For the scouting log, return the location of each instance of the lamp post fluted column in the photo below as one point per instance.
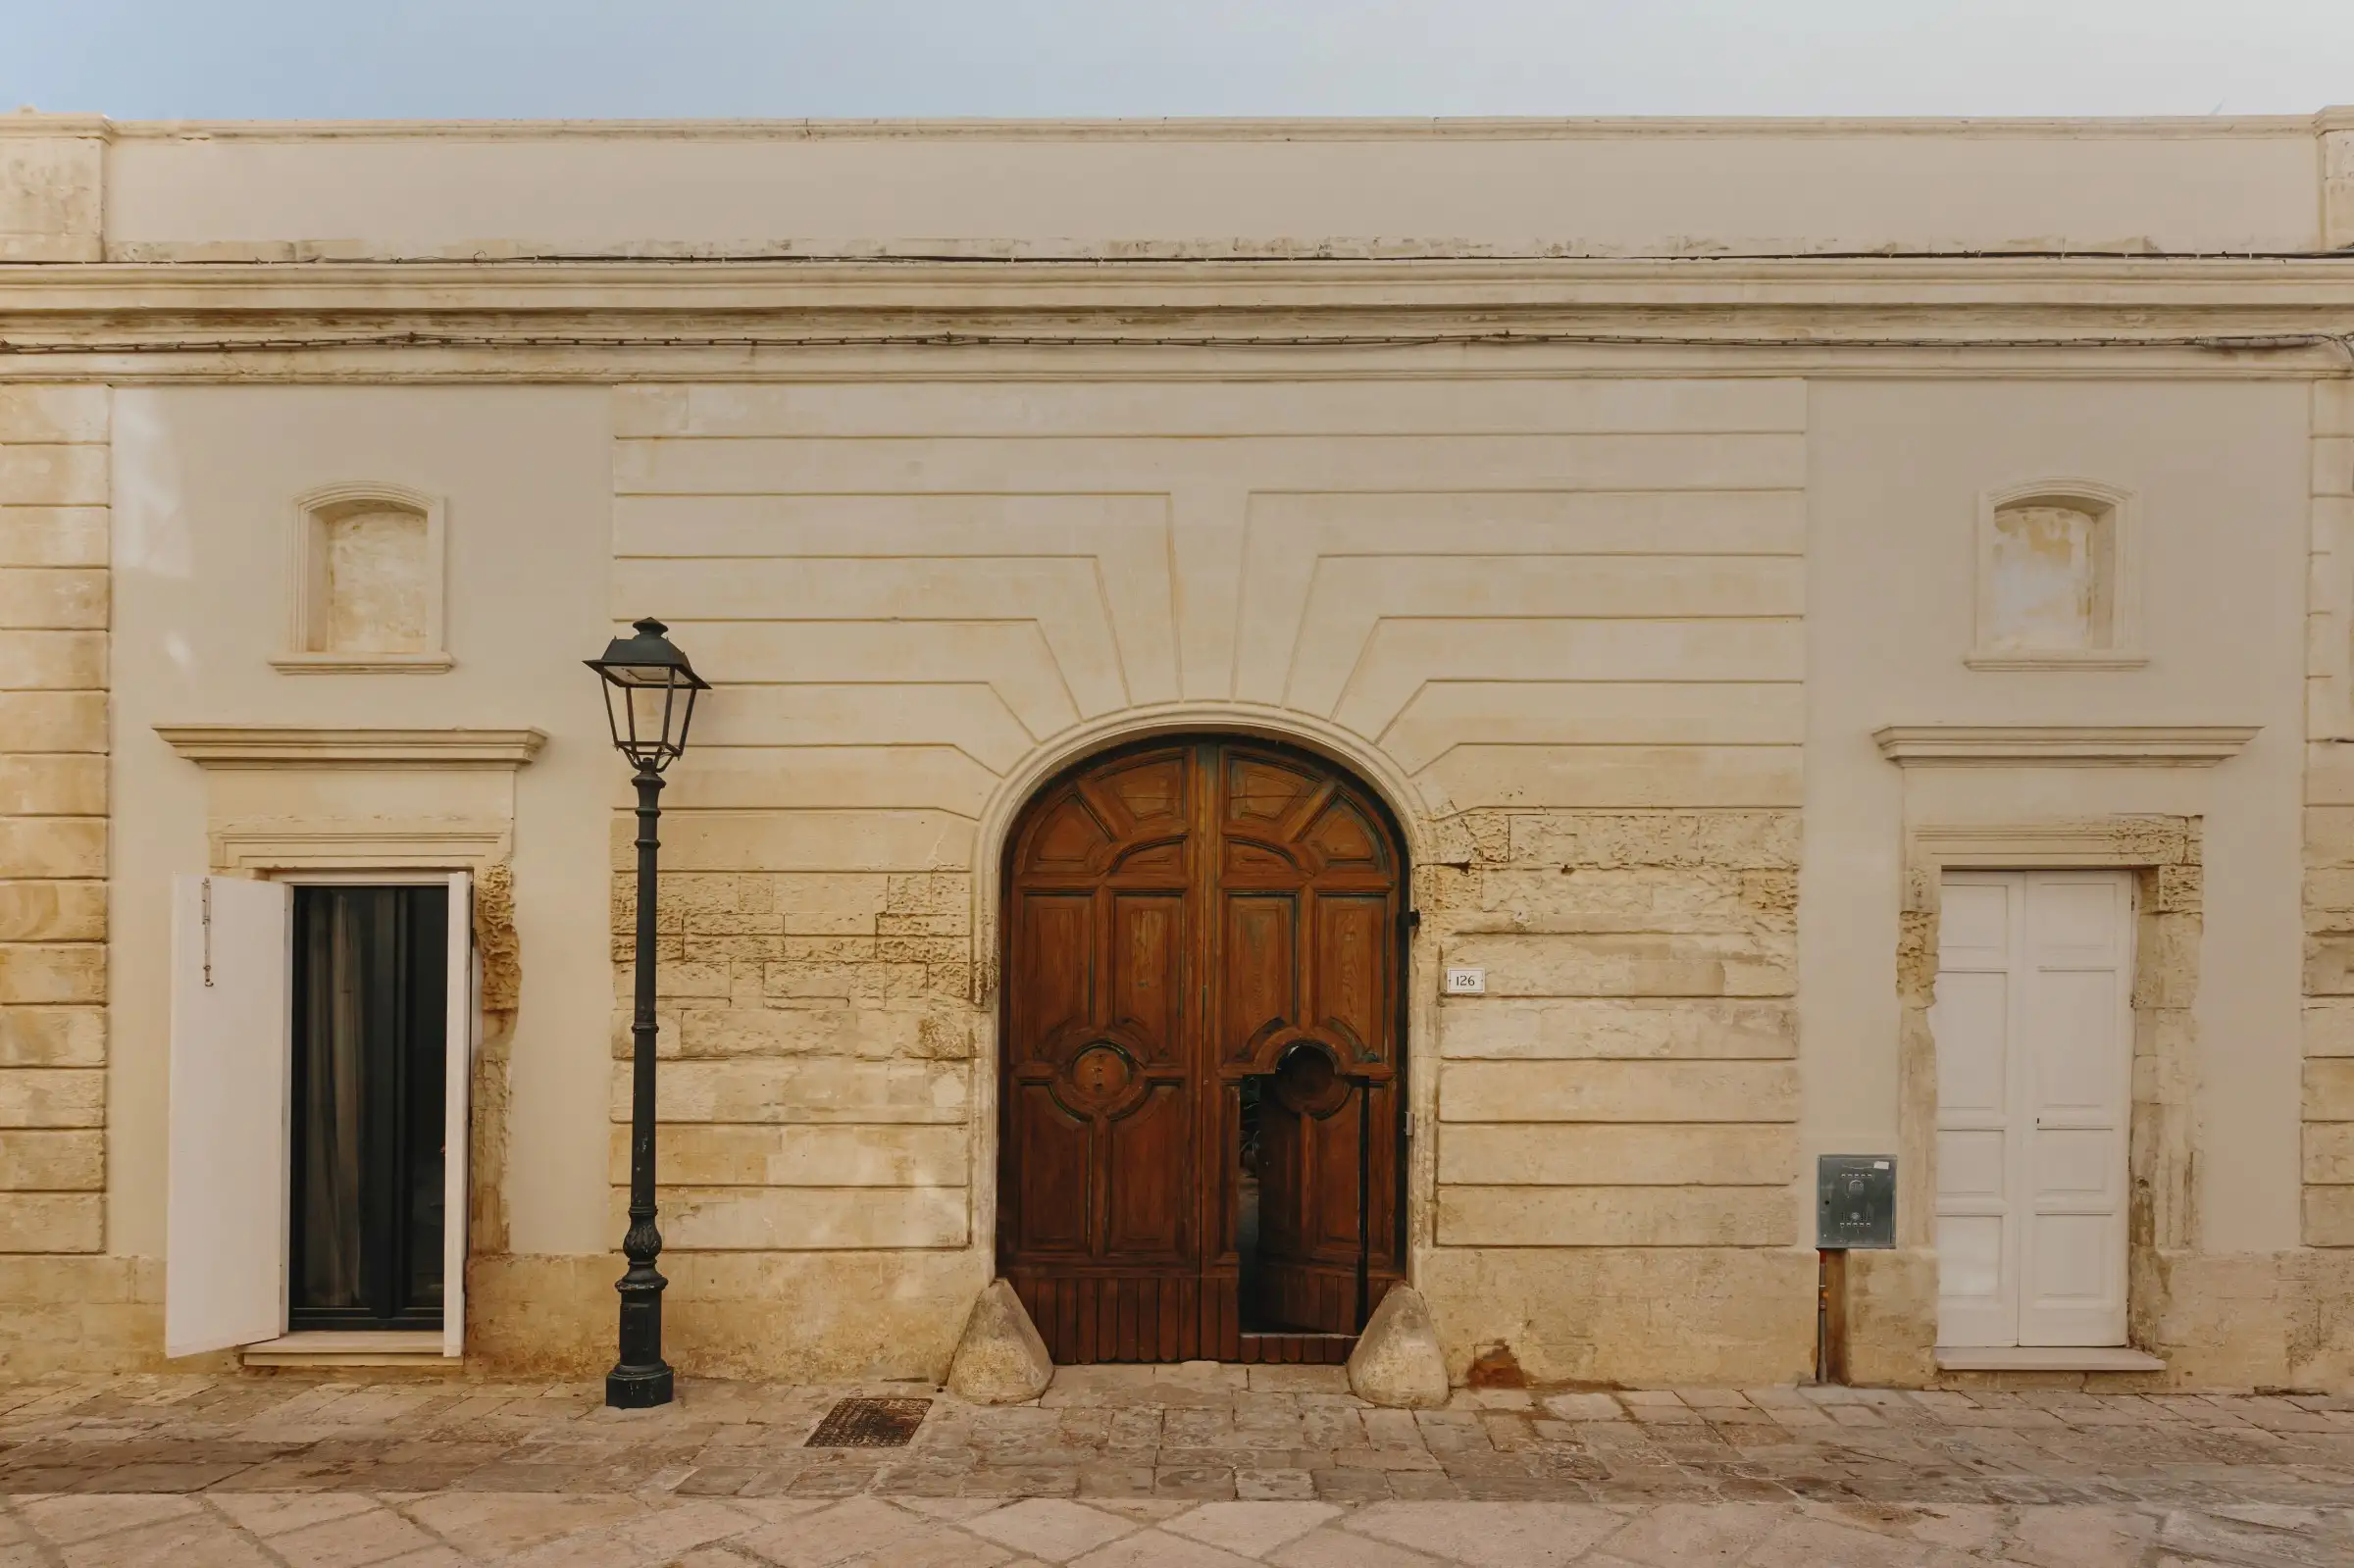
(641, 1378)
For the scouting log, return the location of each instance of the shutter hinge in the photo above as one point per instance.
(208, 931)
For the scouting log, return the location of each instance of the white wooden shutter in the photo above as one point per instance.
(1977, 1240)
(232, 1072)
(460, 1039)
(2075, 1078)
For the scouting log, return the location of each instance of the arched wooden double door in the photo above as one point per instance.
(1203, 940)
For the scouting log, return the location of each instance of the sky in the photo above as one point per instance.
(665, 59)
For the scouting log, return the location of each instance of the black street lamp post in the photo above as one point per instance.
(650, 700)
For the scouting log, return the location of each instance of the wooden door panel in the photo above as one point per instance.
(1053, 997)
(1353, 943)
(1257, 971)
(1179, 917)
(1072, 839)
(1053, 1196)
(1343, 839)
(1153, 791)
(1144, 1211)
(1147, 971)
(1262, 790)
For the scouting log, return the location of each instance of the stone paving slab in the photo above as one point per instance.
(1197, 1465)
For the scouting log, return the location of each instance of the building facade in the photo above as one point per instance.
(1296, 706)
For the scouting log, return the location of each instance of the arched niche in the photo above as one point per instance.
(2058, 580)
(366, 576)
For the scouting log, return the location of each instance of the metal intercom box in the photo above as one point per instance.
(1854, 1201)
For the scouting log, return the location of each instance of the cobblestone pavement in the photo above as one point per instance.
(1192, 1467)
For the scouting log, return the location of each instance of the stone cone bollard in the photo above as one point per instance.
(1396, 1362)
(1001, 1360)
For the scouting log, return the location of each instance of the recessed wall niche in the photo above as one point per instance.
(2058, 579)
(366, 574)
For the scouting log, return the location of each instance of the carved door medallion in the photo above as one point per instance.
(1200, 934)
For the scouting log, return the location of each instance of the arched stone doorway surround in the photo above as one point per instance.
(1411, 814)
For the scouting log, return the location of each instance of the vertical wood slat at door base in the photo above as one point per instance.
(1182, 915)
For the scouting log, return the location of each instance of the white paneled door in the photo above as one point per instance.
(2034, 1023)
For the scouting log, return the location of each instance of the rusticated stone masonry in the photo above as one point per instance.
(53, 866)
(2328, 893)
(820, 1035)
(1616, 1117)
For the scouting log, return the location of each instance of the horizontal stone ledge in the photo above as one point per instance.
(53, 911)
(1630, 965)
(70, 1036)
(52, 1160)
(1624, 1029)
(86, 1279)
(2328, 1088)
(52, 1222)
(53, 972)
(803, 1090)
(70, 721)
(1670, 1091)
(52, 660)
(1563, 1154)
(2328, 1153)
(806, 1219)
(833, 840)
(2329, 1216)
(62, 789)
(53, 414)
(52, 1097)
(1617, 1216)
(54, 535)
(879, 1156)
(53, 474)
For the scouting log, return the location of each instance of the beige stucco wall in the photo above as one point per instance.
(204, 484)
(1898, 471)
(2216, 472)
(1609, 615)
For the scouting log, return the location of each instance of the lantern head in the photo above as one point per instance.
(649, 694)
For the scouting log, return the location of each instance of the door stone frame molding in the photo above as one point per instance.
(2163, 852)
(994, 833)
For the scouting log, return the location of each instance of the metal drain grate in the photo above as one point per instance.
(869, 1424)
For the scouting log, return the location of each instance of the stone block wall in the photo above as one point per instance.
(53, 863)
(1616, 1119)
(1558, 623)
(2328, 901)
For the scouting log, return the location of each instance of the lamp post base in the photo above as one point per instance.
(638, 1388)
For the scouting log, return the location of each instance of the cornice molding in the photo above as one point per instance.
(2062, 746)
(945, 280)
(605, 320)
(233, 745)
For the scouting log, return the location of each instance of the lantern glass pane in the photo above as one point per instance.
(650, 715)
